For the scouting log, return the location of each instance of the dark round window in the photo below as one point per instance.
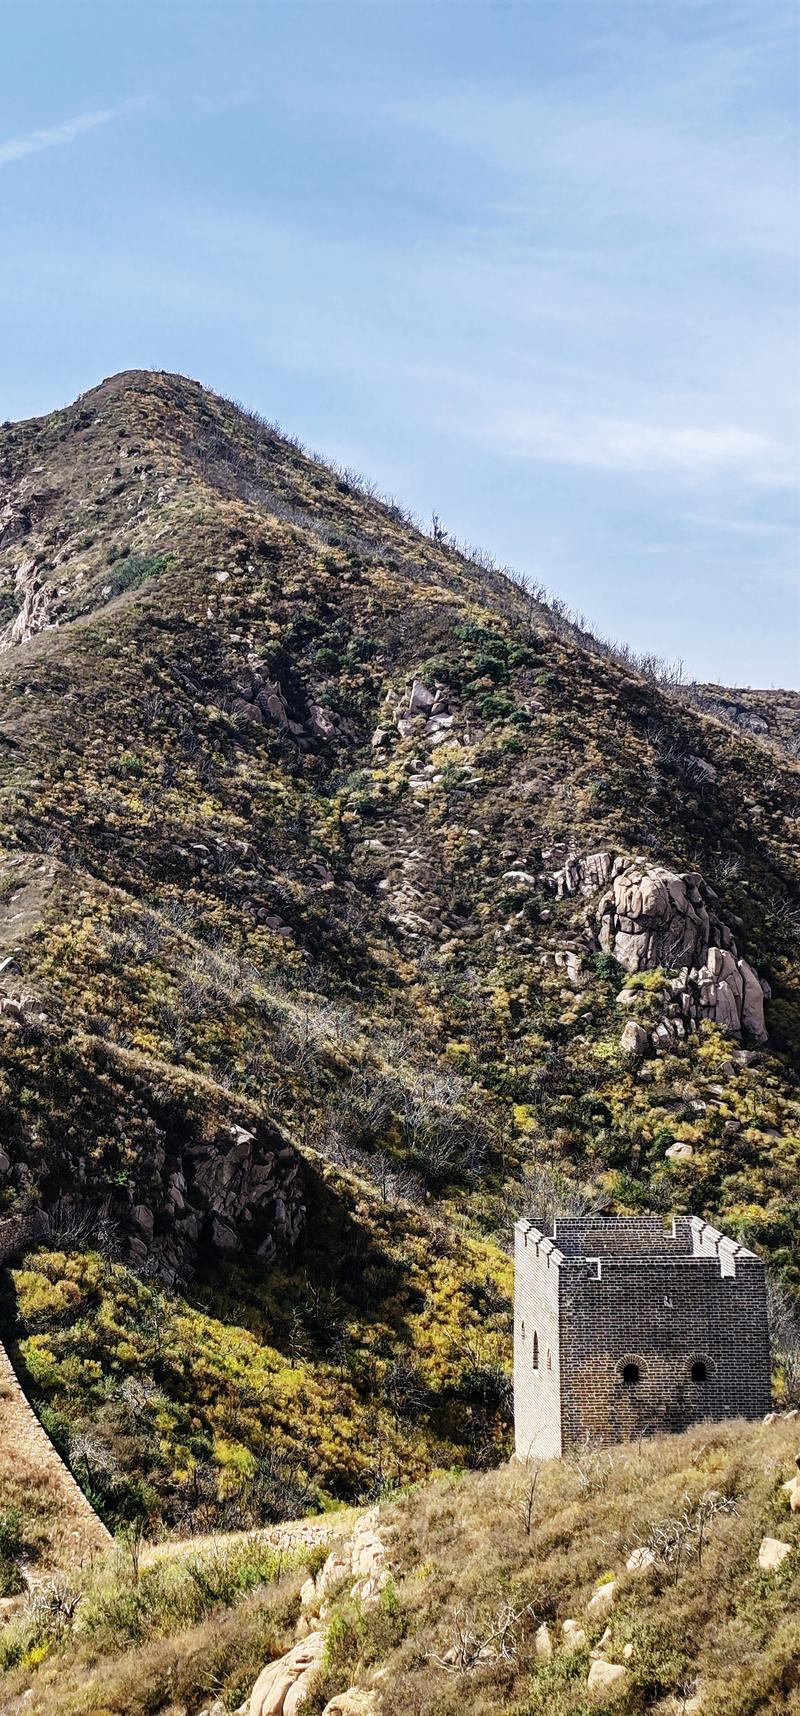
(699, 1371)
(630, 1374)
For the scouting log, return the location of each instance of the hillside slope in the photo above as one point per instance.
(351, 905)
(497, 1594)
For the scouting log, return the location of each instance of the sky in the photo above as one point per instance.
(534, 267)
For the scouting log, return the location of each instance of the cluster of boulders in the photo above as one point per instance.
(424, 712)
(231, 1192)
(650, 917)
(264, 701)
(235, 1192)
(284, 1684)
(604, 1677)
(430, 715)
(20, 1007)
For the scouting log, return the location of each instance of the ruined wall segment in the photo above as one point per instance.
(78, 1533)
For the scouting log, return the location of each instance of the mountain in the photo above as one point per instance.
(353, 903)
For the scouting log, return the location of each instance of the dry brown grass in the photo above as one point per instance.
(461, 1556)
(461, 1552)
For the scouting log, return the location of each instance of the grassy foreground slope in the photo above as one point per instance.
(241, 888)
(479, 1564)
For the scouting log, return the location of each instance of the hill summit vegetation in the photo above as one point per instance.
(354, 900)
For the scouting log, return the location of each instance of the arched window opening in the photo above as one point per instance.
(535, 1350)
(699, 1371)
(630, 1374)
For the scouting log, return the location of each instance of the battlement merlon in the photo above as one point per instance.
(617, 1241)
(527, 1234)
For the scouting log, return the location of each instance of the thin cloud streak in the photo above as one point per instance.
(56, 136)
(618, 444)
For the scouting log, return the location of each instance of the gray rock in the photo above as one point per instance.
(634, 1039)
(421, 700)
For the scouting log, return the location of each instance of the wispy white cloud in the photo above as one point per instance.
(56, 136)
(619, 444)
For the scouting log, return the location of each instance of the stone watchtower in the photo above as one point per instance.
(623, 1329)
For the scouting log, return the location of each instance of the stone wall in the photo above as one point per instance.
(77, 1532)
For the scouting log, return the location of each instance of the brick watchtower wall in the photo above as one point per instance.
(665, 1318)
(77, 1532)
(628, 1313)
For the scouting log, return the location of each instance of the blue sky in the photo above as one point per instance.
(532, 266)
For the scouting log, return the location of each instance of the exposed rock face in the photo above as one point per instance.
(229, 1192)
(651, 917)
(232, 1194)
(654, 917)
(264, 702)
(33, 613)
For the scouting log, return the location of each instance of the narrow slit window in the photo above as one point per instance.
(549, 1359)
(535, 1350)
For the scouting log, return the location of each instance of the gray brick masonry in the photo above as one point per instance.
(624, 1329)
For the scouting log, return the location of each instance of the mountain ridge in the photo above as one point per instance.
(285, 786)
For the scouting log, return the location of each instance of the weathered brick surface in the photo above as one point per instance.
(606, 1294)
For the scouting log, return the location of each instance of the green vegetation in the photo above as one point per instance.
(467, 1553)
(113, 1639)
(226, 906)
(338, 1380)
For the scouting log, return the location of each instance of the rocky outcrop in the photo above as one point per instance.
(361, 1560)
(424, 712)
(232, 1193)
(228, 1189)
(264, 702)
(34, 602)
(650, 917)
(284, 1684)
